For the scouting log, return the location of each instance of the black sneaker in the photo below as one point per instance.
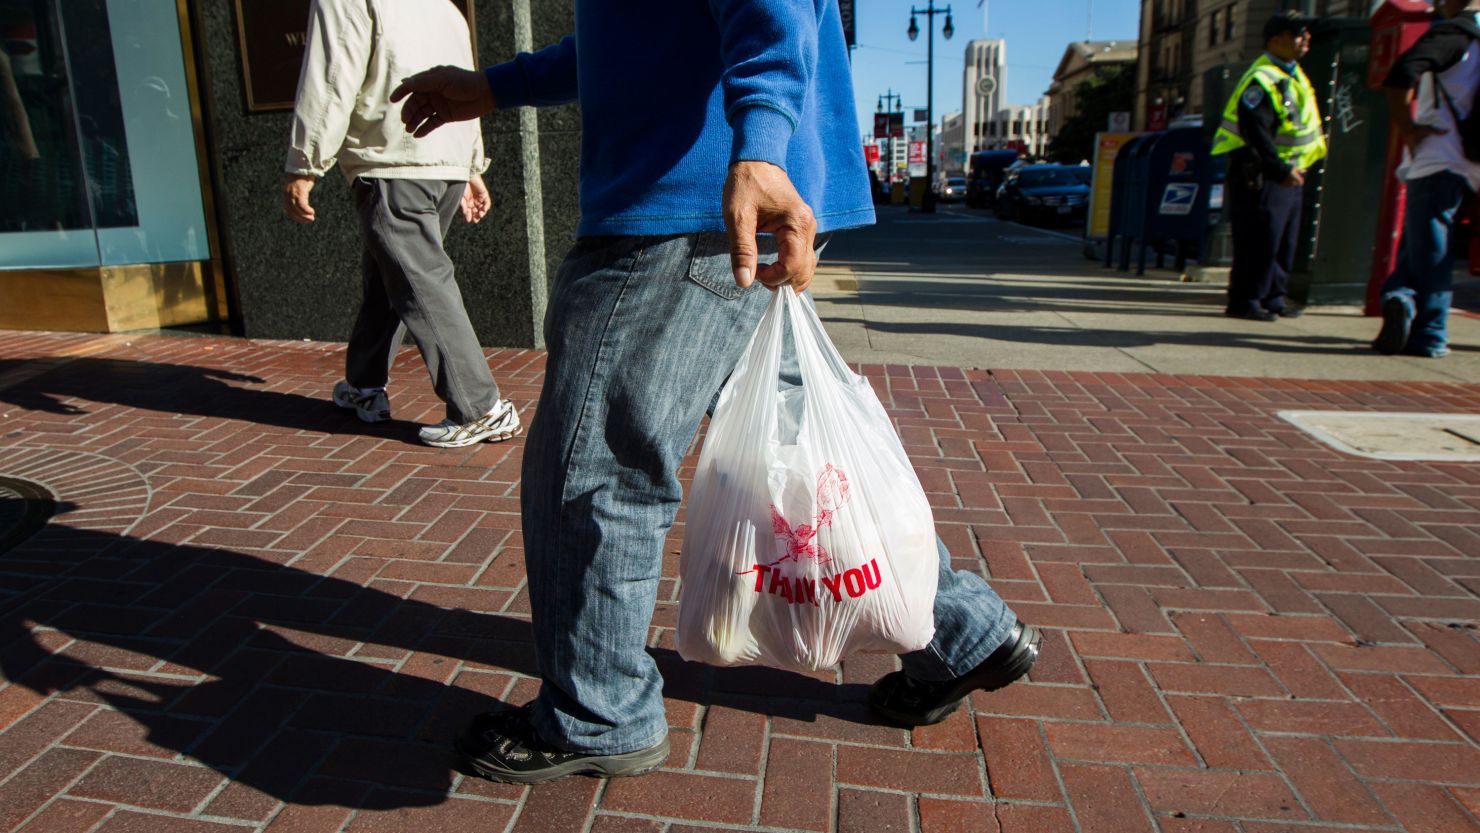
(911, 702)
(1290, 312)
(503, 746)
(1397, 322)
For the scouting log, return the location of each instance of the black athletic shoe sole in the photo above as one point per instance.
(640, 762)
(989, 676)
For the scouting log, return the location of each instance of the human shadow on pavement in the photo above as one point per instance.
(49, 385)
(310, 689)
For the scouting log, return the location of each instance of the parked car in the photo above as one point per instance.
(954, 188)
(1045, 194)
(985, 175)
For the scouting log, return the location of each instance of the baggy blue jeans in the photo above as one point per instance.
(641, 332)
(1424, 276)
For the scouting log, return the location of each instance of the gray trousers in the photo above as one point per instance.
(409, 285)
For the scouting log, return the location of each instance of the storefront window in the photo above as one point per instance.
(98, 161)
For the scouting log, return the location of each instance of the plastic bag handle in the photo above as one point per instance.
(809, 334)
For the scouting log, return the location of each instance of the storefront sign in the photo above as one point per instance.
(271, 35)
(1107, 147)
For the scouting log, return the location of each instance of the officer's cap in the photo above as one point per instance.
(1290, 21)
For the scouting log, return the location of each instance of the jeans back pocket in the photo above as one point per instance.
(710, 267)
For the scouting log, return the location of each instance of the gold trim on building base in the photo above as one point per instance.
(110, 299)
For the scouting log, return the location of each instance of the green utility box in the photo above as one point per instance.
(1342, 199)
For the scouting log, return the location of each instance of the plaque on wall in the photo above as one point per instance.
(270, 37)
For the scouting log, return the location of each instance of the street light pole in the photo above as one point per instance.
(927, 200)
(890, 100)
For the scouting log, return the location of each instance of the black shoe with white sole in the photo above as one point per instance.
(907, 701)
(503, 746)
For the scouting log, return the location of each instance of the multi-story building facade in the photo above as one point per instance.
(1021, 126)
(950, 145)
(983, 89)
(1083, 61)
(1180, 40)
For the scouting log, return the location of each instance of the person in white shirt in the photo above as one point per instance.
(1440, 73)
(407, 192)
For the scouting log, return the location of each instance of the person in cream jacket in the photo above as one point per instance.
(407, 192)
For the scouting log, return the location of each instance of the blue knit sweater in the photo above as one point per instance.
(671, 93)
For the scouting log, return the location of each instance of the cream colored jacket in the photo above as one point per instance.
(357, 51)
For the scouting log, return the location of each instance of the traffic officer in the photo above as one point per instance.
(1271, 131)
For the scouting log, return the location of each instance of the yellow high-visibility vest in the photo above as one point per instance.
(1298, 139)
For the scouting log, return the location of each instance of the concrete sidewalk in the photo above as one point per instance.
(254, 613)
(963, 289)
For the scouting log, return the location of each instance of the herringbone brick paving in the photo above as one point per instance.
(258, 614)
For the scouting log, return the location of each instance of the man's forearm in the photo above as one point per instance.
(1257, 127)
(536, 79)
(769, 51)
(1400, 107)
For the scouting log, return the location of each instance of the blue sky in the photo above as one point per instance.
(1036, 32)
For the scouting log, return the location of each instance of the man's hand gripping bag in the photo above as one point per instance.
(808, 536)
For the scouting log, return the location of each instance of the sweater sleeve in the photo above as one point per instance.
(480, 160)
(536, 79)
(1257, 122)
(335, 59)
(769, 51)
(1440, 48)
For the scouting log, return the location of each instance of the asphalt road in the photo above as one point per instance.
(961, 288)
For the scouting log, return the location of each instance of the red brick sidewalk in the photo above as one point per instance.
(259, 614)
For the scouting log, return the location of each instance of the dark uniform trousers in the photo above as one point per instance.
(1265, 223)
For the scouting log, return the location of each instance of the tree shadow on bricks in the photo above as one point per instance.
(310, 689)
(53, 385)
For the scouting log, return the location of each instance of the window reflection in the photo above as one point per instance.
(41, 183)
(98, 162)
(100, 113)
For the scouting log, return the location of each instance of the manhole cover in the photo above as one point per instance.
(1394, 436)
(24, 509)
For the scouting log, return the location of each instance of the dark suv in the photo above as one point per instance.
(985, 175)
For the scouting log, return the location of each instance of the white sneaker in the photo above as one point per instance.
(369, 405)
(497, 425)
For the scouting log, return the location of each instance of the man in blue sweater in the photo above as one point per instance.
(701, 127)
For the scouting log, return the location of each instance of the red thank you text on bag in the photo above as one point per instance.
(808, 535)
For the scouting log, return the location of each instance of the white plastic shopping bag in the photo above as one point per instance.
(808, 536)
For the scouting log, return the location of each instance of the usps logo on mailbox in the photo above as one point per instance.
(1178, 198)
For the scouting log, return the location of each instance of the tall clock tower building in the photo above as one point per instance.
(983, 90)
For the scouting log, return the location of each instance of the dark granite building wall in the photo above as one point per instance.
(296, 281)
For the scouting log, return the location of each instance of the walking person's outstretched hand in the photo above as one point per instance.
(759, 197)
(440, 95)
